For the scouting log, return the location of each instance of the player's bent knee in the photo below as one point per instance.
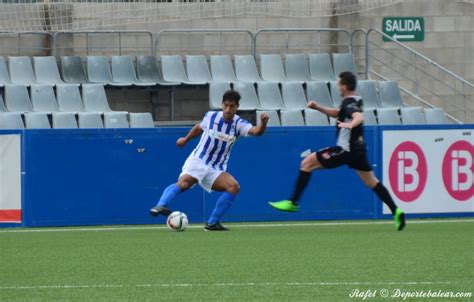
(233, 188)
(185, 184)
(309, 163)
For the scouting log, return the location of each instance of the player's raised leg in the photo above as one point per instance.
(308, 164)
(227, 183)
(369, 179)
(185, 182)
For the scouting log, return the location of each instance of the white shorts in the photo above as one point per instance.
(205, 174)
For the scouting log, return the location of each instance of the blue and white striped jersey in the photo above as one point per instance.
(218, 138)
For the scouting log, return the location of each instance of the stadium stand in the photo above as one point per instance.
(315, 118)
(249, 99)
(148, 71)
(320, 67)
(292, 118)
(37, 120)
(46, 70)
(64, 120)
(221, 69)
(388, 116)
(21, 71)
(198, 69)
(301, 79)
(246, 68)
(274, 118)
(73, 70)
(296, 68)
(90, 120)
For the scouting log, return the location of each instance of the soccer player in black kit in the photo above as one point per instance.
(350, 150)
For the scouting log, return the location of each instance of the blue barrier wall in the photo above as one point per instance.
(94, 177)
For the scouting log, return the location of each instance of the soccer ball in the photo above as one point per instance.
(177, 221)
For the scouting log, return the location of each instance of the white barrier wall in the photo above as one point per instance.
(10, 178)
(430, 171)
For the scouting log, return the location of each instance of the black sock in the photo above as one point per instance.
(384, 195)
(303, 179)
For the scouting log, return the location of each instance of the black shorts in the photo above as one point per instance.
(333, 157)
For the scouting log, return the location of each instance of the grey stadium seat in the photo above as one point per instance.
(246, 69)
(292, 118)
(270, 96)
(198, 69)
(221, 69)
(216, 91)
(17, 98)
(412, 116)
(320, 67)
(46, 70)
(173, 70)
(90, 120)
(368, 91)
(9, 120)
(296, 68)
(64, 120)
(123, 71)
(319, 92)
(4, 76)
(98, 71)
(73, 70)
(2, 104)
(115, 120)
(148, 71)
(69, 98)
(36, 120)
(390, 94)
(94, 98)
(293, 95)
(332, 121)
(249, 100)
(388, 116)
(141, 120)
(271, 68)
(435, 116)
(369, 118)
(43, 99)
(21, 71)
(343, 62)
(274, 120)
(335, 94)
(315, 118)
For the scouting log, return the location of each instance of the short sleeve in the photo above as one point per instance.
(243, 127)
(353, 106)
(205, 121)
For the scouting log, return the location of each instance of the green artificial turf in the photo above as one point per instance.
(275, 262)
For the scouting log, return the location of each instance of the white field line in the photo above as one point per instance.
(248, 284)
(247, 225)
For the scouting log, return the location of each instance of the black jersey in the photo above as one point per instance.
(350, 139)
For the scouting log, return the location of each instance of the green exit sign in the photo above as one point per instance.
(404, 29)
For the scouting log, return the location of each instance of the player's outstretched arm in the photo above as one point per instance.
(194, 132)
(332, 112)
(260, 129)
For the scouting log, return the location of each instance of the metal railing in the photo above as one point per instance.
(219, 46)
(332, 43)
(359, 48)
(39, 46)
(109, 41)
(424, 81)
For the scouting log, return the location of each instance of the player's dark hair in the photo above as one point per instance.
(231, 95)
(349, 80)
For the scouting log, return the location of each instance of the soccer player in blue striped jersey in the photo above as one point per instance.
(207, 163)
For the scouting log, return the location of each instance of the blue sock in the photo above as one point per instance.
(222, 205)
(168, 195)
